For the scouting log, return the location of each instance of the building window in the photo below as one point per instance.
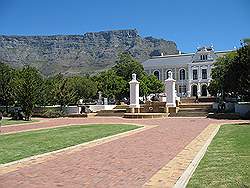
(182, 90)
(182, 74)
(195, 74)
(204, 73)
(203, 57)
(157, 74)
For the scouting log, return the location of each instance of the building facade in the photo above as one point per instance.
(192, 72)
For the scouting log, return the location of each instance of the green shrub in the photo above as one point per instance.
(52, 114)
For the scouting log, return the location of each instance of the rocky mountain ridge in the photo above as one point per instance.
(79, 54)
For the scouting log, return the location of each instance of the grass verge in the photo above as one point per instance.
(21, 145)
(4, 122)
(227, 160)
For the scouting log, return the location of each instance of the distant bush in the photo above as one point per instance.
(51, 114)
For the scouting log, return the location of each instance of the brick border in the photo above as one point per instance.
(15, 165)
(172, 171)
(185, 177)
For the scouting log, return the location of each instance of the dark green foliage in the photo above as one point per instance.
(6, 91)
(126, 66)
(231, 75)
(62, 91)
(85, 88)
(114, 83)
(51, 113)
(150, 84)
(111, 85)
(27, 89)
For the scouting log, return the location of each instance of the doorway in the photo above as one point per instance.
(204, 90)
(194, 90)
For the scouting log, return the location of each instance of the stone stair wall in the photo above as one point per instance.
(193, 110)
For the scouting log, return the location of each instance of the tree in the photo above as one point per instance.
(231, 74)
(155, 85)
(6, 78)
(111, 85)
(84, 87)
(126, 66)
(62, 92)
(150, 84)
(27, 89)
(218, 84)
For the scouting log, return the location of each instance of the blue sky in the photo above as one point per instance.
(190, 23)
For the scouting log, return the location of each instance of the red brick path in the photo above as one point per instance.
(126, 162)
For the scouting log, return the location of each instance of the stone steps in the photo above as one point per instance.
(201, 99)
(114, 112)
(190, 114)
(196, 105)
(193, 110)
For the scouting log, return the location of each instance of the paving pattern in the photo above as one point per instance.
(126, 162)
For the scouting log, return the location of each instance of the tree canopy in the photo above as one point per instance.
(231, 74)
(28, 88)
(6, 79)
(126, 66)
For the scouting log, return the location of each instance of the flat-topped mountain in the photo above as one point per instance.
(79, 54)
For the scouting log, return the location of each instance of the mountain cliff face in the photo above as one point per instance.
(79, 54)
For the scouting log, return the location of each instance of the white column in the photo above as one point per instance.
(170, 90)
(199, 73)
(199, 89)
(189, 89)
(134, 92)
(175, 74)
(209, 72)
(189, 73)
(162, 74)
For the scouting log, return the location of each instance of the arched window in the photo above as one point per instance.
(157, 74)
(182, 74)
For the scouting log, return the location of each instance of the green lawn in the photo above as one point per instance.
(21, 145)
(227, 161)
(12, 122)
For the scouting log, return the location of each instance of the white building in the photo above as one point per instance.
(192, 72)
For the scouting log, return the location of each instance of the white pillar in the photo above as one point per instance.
(134, 92)
(199, 89)
(189, 89)
(170, 90)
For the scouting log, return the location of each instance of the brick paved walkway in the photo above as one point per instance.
(127, 162)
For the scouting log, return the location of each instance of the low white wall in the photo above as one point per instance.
(242, 108)
(71, 110)
(96, 108)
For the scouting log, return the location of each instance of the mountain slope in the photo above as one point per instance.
(79, 54)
